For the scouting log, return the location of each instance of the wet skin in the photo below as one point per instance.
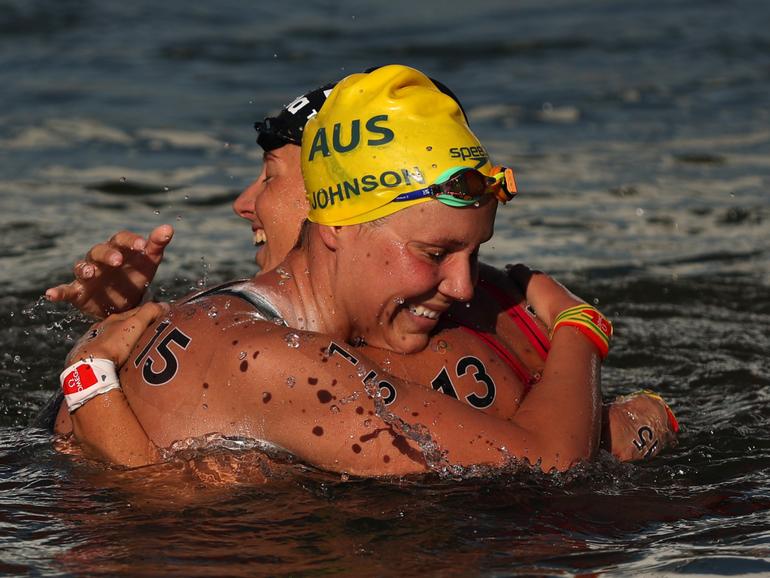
(278, 191)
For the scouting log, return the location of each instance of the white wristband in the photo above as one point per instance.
(86, 379)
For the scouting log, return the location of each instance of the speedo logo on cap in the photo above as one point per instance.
(476, 153)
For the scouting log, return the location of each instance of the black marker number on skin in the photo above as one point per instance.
(646, 436)
(163, 349)
(443, 383)
(481, 376)
(334, 348)
(158, 330)
(388, 396)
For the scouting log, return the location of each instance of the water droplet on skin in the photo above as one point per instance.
(283, 273)
(361, 371)
(349, 399)
(291, 381)
(344, 477)
(242, 355)
(205, 406)
(212, 312)
(441, 346)
(398, 300)
(292, 340)
(367, 423)
(334, 409)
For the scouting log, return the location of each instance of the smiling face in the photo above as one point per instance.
(395, 278)
(275, 204)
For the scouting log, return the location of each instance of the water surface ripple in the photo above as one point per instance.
(641, 137)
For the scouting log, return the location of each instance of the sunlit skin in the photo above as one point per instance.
(428, 267)
(239, 376)
(275, 206)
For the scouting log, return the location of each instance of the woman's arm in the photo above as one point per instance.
(635, 426)
(105, 424)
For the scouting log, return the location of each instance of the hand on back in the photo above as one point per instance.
(114, 338)
(114, 275)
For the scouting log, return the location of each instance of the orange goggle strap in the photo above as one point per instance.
(672, 421)
(587, 319)
(504, 185)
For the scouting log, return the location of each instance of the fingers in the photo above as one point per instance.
(104, 254)
(112, 253)
(84, 270)
(68, 292)
(157, 241)
(146, 313)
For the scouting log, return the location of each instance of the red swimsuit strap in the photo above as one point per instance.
(521, 318)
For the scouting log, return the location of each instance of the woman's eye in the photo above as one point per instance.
(436, 256)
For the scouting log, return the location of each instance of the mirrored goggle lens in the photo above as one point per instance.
(471, 184)
(467, 185)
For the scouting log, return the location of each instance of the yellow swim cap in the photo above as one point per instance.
(379, 135)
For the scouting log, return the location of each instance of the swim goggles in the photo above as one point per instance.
(466, 186)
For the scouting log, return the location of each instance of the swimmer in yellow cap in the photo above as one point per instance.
(354, 195)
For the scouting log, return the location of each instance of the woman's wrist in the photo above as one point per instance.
(589, 322)
(85, 379)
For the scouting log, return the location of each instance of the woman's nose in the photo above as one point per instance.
(243, 205)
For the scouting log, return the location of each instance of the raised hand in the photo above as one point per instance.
(114, 275)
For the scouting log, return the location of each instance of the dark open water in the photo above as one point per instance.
(641, 133)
